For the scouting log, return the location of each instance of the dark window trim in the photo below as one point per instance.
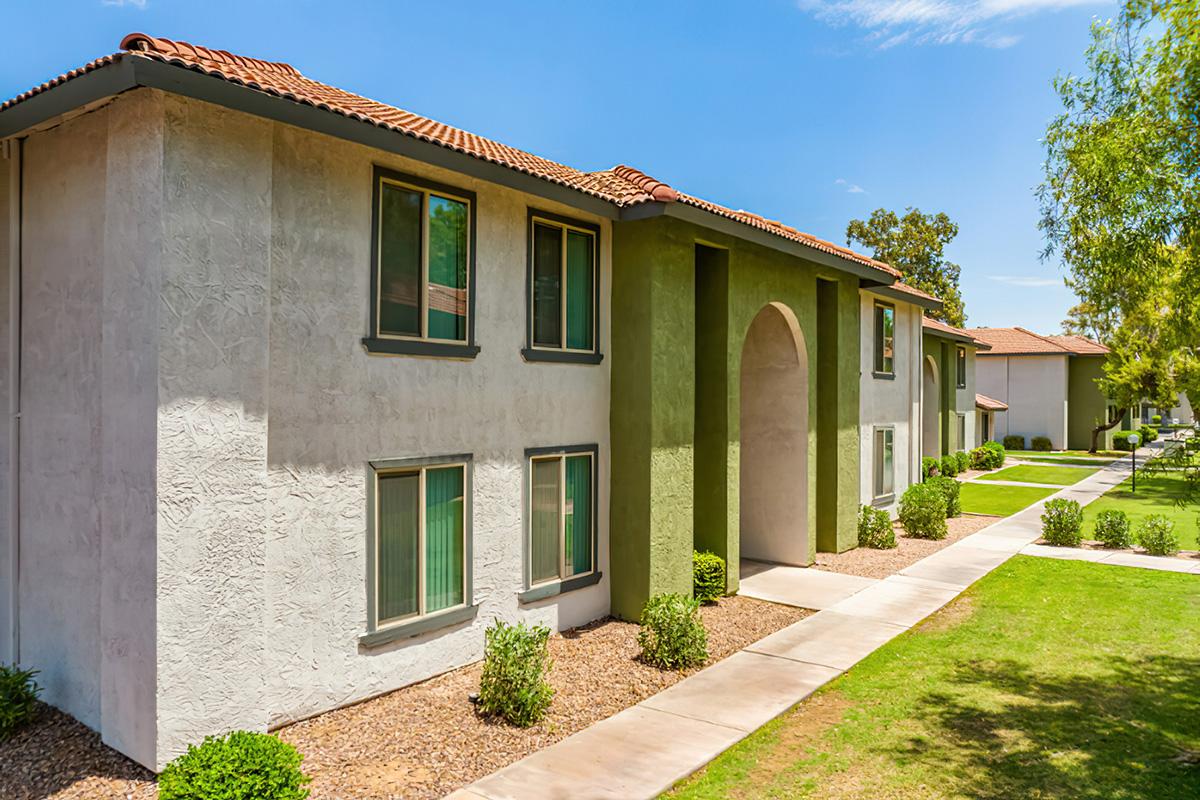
(960, 367)
(541, 591)
(891, 495)
(883, 500)
(877, 360)
(560, 355)
(415, 626)
(388, 345)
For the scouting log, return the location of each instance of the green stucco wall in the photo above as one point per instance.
(1086, 404)
(675, 399)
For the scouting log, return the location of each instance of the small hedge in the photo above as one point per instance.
(1156, 419)
(1157, 535)
(1040, 443)
(875, 529)
(513, 684)
(950, 490)
(923, 511)
(1062, 523)
(1112, 529)
(948, 466)
(1121, 440)
(1148, 434)
(964, 461)
(989, 456)
(239, 766)
(1014, 442)
(18, 698)
(708, 576)
(929, 467)
(672, 635)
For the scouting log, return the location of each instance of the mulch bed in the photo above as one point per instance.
(882, 563)
(421, 741)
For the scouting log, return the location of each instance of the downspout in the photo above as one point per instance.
(15, 148)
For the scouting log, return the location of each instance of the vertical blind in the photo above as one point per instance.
(544, 519)
(580, 280)
(400, 261)
(578, 515)
(443, 538)
(447, 269)
(399, 504)
(564, 278)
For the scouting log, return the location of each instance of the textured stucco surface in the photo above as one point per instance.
(1087, 406)
(8, 565)
(950, 399)
(894, 403)
(1035, 389)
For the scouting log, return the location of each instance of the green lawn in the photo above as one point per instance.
(1065, 453)
(1076, 461)
(1030, 473)
(1046, 679)
(1156, 494)
(979, 498)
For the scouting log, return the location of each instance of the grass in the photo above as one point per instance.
(1030, 473)
(1059, 454)
(1046, 679)
(1067, 460)
(979, 498)
(1157, 493)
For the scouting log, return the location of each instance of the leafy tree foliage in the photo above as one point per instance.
(915, 244)
(1085, 320)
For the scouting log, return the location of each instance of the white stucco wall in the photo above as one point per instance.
(964, 403)
(8, 562)
(895, 403)
(1035, 389)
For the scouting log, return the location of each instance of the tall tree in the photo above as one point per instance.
(1084, 320)
(915, 244)
(1121, 195)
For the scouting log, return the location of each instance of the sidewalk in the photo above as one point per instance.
(642, 751)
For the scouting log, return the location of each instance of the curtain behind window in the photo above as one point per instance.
(544, 522)
(444, 510)
(580, 282)
(397, 545)
(578, 515)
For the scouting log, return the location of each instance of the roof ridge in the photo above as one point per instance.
(652, 187)
(141, 42)
(1043, 338)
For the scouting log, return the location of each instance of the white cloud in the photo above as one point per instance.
(851, 188)
(889, 23)
(138, 4)
(1025, 280)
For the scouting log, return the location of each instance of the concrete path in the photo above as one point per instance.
(642, 751)
(803, 587)
(1117, 558)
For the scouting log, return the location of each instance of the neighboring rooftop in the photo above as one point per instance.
(1018, 341)
(623, 186)
(990, 403)
(939, 328)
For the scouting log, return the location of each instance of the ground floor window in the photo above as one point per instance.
(420, 542)
(885, 462)
(962, 432)
(562, 514)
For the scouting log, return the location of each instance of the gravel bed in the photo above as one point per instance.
(882, 563)
(1090, 544)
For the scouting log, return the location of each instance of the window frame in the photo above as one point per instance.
(878, 497)
(879, 359)
(376, 341)
(562, 584)
(563, 354)
(383, 631)
(961, 431)
(960, 367)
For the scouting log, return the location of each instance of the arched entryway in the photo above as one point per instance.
(773, 473)
(930, 405)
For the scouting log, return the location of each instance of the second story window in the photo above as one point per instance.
(422, 267)
(961, 371)
(885, 339)
(563, 289)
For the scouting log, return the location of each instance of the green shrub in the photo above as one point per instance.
(1148, 434)
(948, 466)
(923, 511)
(1062, 523)
(1014, 442)
(964, 461)
(1121, 440)
(988, 456)
(1157, 535)
(515, 663)
(875, 529)
(929, 467)
(1112, 529)
(708, 576)
(950, 489)
(1156, 419)
(672, 635)
(238, 766)
(1040, 443)
(18, 698)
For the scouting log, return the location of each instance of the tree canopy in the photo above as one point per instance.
(915, 244)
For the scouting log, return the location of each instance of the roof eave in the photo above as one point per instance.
(890, 292)
(957, 337)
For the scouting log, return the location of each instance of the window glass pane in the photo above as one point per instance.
(443, 538)
(579, 290)
(547, 286)
(447, 269)
(578, 515)
(962, 367)
(399, 261)
(889, 465)
(397, 546)
(889, 339)
(544, 523)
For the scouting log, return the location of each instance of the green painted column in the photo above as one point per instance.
(1087, 406)
(948, 367)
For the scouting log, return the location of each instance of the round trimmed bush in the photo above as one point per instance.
(18, 698)
(1148, 434)
(671, 635)
(923, 511)
(1121, 440)
(964, 460)
(1157, 535)
(515, 662)
(950, 489)
(238, 766)
(929, 467)
(1062, 523)
(708, 576)
(1014, 442)
(1112, 529)
(875, 529)
(1040, 443)
(948, 466)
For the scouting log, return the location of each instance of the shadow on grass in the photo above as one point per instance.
(1130, 729)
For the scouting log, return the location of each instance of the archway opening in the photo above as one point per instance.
(773, 463)
(930, 406)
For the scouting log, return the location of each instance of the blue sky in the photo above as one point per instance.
(810, 111)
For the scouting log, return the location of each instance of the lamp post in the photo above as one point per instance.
(1133, 443)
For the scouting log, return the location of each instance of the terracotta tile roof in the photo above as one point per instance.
(1017, 341)
(906, 289)
(937, 326)
(990, 403)
(1080, 345)
(622, 185)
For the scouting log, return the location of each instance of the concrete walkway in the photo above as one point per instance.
(642, 751)
(803, 587)
(1116, 558)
